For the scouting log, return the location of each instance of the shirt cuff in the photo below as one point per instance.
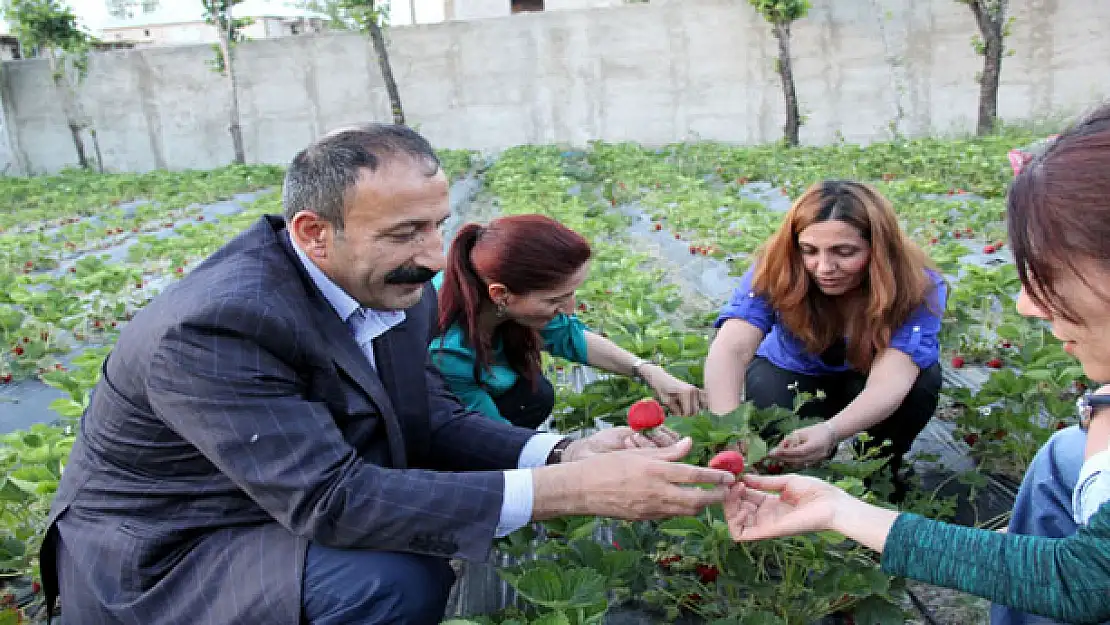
(537, 449)
(516, 507)
(1093, 488)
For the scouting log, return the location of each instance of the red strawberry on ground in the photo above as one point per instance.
(658, 227)
(728, 460)
(1061, 425)
(645, 415)
(958, 362)
(989, 249)
(18, 350)
(36, 587)
(995, 363)
(6, 378)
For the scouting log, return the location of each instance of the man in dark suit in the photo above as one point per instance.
(269, 443)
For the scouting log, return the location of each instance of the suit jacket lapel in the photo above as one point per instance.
(405, 375)
(349, 357)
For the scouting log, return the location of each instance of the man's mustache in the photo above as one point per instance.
(413, 274)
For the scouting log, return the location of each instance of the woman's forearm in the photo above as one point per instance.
(864, 523)
(729, 356)
(890, 380)
(601, 353)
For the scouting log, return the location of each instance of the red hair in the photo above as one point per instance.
(526, 253)
(896, 282)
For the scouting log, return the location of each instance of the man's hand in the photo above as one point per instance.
(680, 398)
(616, 439)
(631, 484)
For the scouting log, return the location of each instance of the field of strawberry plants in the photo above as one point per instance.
(670, 226)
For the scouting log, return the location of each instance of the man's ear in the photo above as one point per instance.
(311, 233)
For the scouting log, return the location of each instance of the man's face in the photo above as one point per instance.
(391, 244)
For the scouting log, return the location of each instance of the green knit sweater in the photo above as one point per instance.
(1066, 579)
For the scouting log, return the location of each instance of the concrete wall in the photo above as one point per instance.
(648, 73)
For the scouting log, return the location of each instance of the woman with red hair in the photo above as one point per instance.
(507, 294)
(840, 301)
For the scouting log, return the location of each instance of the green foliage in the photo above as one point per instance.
(46, 24)
(782, 11)
(219, 14)
(363, 12)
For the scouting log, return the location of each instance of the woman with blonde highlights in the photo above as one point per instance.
(839, 300)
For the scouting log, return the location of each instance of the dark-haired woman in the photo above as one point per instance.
(1058, 213)
(507, 294)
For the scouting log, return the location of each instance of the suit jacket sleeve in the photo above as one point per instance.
(466, 440)
(223, 380)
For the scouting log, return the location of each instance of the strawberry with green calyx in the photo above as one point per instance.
(645, 415)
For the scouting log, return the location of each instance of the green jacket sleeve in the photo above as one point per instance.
(458, 374)
(565, 337)
(1066, 579)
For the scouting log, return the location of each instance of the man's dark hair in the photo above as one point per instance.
(320, 175)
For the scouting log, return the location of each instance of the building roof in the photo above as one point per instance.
(181, 12)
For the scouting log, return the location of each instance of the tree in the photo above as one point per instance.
(368, 16)
(50, 29)
(229, 31)
(781, 14)
(994, 27)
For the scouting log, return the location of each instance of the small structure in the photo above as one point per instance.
(183, 23)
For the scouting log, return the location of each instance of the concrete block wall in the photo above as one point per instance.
(655, 73)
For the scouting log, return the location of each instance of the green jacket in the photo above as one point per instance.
(1066, 579)
(565, 337)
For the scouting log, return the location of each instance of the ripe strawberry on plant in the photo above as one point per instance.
(728, 460)
(958, 362)
(995, 363)
(645, 415)
(707, 573)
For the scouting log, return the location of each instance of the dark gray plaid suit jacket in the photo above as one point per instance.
(236, 421)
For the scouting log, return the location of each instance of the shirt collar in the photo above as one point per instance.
(343, 304)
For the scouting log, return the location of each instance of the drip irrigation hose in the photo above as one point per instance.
(922, 608)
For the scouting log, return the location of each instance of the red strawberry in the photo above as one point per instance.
(582, 307)
(18, 351)
(995, 363)
(971, 439)
(707, 572)
(36, 587)
(73, 270)
(6, 379)
(616, 545)
(30, 263)
(774, 467)
(969, 231)
(956, 234)
(999, 435)
(958, 362)
(645, 415)
(728, 460)
(658, 227)
(1006, 345)
(693, 249)
(26, 339)
(669, 560)
(677, 236)
(933, 241)
(989, 249)
(1061, 425)
(180, 270)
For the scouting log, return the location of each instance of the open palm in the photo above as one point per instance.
(762, 507)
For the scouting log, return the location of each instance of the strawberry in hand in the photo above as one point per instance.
(645, 415)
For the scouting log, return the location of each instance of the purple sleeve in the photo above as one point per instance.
(745, 304)
(917, 338)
